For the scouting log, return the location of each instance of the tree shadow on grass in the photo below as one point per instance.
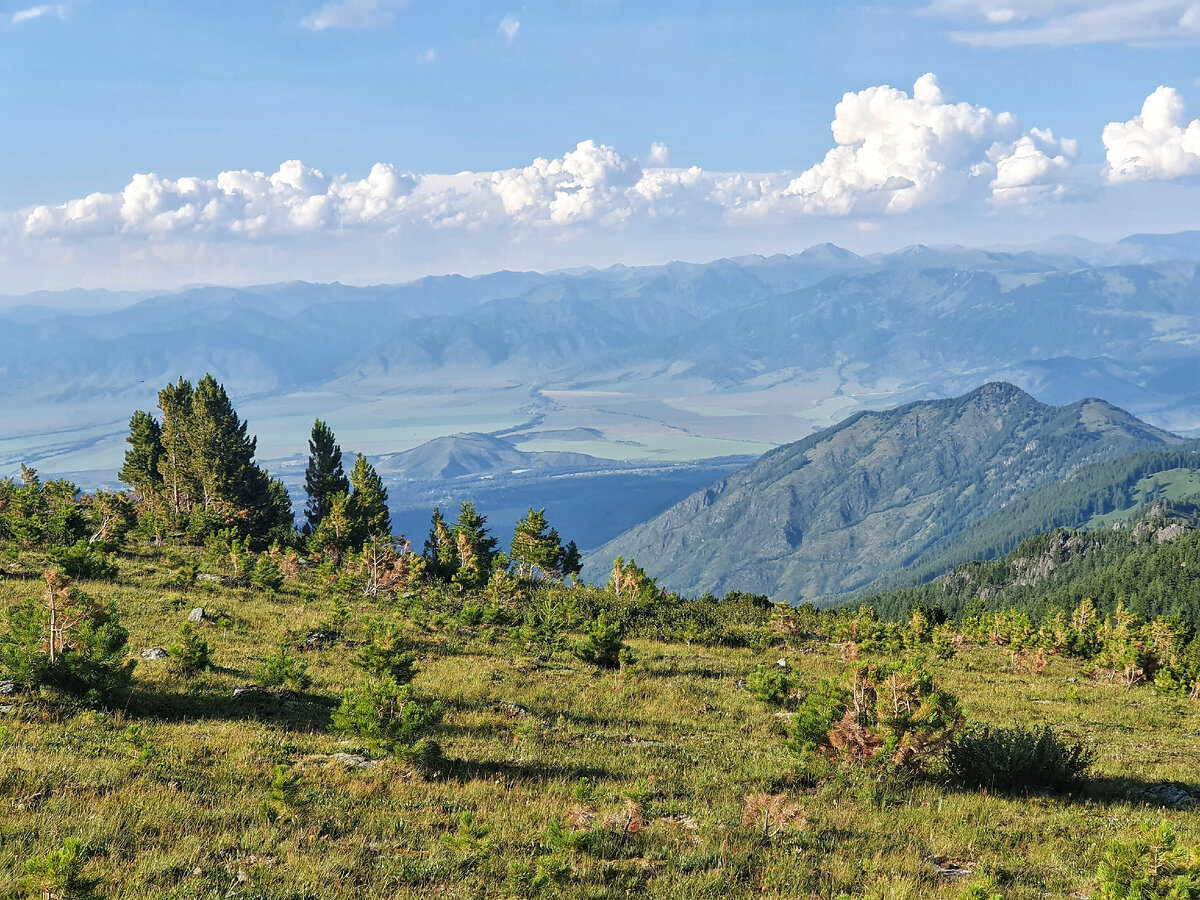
(466, 770)
(294, 711)
(1103, 790)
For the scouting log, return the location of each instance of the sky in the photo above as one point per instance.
(155, 144)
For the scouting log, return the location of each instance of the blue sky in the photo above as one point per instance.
(591, 132)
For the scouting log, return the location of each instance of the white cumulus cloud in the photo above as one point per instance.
(897, 152)
(1158, 144)
(1014, 23)
(894, 153)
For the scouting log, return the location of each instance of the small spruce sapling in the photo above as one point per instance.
(602, 644)
(190, 653)
(282, 670)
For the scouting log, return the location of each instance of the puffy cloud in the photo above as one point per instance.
(895, 153)
(353, 14)
(1034, 168)
(36, 12)
(509, 28)
(1016, 23)
(1157, 144)
(660, 155)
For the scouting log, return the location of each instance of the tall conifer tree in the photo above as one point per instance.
(324, 478)
(368, 503)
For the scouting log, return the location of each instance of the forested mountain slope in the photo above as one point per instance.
(831, 513)
(1152, 568)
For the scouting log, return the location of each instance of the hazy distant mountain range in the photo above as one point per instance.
(654, 366)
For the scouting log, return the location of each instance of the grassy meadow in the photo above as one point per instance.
(557, 778)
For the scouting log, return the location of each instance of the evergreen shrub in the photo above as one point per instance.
(1015, 760)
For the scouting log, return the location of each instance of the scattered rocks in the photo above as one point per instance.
(154, 653)
(1171, 796)
(216, 579)
(8, 687)
(512, 710)
(349, 760)
(949, 869)
(196, 615)
(319, 638)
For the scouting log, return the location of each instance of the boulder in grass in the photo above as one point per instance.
(196, 615)
(154, 653)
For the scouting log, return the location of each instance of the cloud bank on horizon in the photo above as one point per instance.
(895, 153)
(1057, 23)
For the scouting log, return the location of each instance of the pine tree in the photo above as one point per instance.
(536, 546)
(222, 451)
(175, 401)
(369, 514)
(140, 470)
(476, 548)
(324, 476)
(440, 555)
(205, 459)
(332, 537)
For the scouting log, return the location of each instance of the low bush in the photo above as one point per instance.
(770, 684)
(1016, 760)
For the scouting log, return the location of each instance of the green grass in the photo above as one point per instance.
(179, 812)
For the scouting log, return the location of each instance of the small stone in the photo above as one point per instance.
(949, 869)
(513, 710)
(782, 663)
(248, 692)
(154, 653)
(196, 615)
(355, 761)
(5, 710)
(8, 687)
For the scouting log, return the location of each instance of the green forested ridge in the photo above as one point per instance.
(1152, 567)
(339, 716)
(832, 513)
(1111, 490)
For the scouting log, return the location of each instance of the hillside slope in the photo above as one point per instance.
(829, 514)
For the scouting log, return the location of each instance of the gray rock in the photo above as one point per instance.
(249, 693)
(216, 579)
(355, 761)
(1171, 796)
(948, 869)
(154, 653)
(196, 615)
(513, 710)
(8, 687)
(5, 710)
